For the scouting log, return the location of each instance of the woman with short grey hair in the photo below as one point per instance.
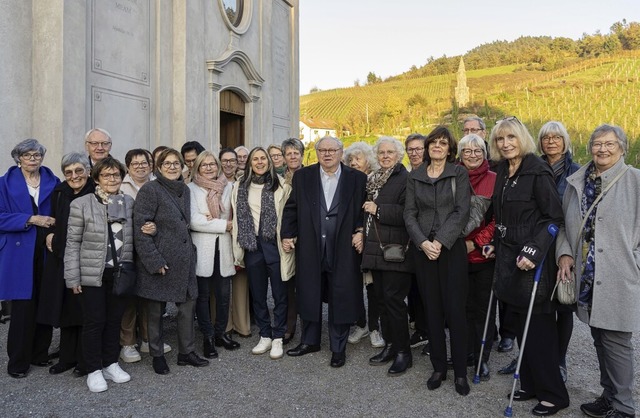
(360, 156)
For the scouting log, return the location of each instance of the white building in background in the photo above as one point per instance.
(313, 129)
(151, 72)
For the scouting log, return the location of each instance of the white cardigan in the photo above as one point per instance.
(205, 233)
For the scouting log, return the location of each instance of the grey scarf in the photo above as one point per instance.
(268, 219)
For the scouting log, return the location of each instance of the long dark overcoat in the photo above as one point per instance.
(301, 219)
(171, 246)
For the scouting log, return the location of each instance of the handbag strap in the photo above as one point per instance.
(114, 253)
(375, 227)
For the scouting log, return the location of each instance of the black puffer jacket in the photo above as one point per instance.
(525, 205)
(390, 226)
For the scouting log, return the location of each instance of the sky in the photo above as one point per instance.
(343, 40)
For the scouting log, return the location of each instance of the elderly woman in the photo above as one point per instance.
(436, 211)
(473, 156)
(360, 156)
(384, 225)
(25, 215)
(602, 254)
(276, 155)
(167, 260)
(98, 237)
(258, 200)
(210, 230)
(59, 307)
(526, 203)
(555, 144)
(293, 150)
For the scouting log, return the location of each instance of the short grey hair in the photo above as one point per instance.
(74, 158)
(617, 131)
(473, 139)
(554, 127)
(390, 140)
(294, 143)
(241, 147)
(337, 141)
(102, 131)
(361, 148)
(476, 119)
(26, 146)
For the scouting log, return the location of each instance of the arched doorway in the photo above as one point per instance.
(232, 110)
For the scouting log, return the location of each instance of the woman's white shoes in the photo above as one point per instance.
(263, 346)
(96, 382)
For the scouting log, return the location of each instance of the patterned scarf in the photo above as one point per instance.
(268, 219)
(558, 168)
(592, 188)
(376, 180)
(116, 208)
(214, 190)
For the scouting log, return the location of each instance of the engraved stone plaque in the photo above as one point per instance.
(281, 59)
(120, 39)
(125, 116)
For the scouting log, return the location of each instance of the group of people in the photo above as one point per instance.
(213, 233)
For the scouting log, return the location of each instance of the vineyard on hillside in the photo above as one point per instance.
(582, 95)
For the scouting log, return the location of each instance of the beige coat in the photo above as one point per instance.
(616, 290)
(287, 260)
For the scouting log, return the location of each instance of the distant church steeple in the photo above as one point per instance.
(462, 91)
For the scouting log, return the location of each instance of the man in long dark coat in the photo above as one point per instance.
(322, 221)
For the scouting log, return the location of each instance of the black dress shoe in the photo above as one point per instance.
(303, 349)
(521, 395)
(79, 372)
(509, 368)
(226, 342)
(383, 357)
(338, 359)
(541, 410)
(61, 367)
(435, 380)
(17, 375)
(401, 363)
(42, 363)
(208, 348)
(192, 359)
(160, 365)
(484, 371)
(506, 345)
(462, 386)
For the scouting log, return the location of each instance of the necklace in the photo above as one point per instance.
(33, 186)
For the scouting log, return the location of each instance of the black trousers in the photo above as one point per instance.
(392, 287)
(480, 281)
(101, 326)
(27, 342)
(540, 368)
(372, 316)
(443, 286)
(71, 346)
(417, 310)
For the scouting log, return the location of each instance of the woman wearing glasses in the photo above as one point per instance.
(526, 203)
(435, 213)
(100, 234)
(58, 305)
(25, 215)
(555, 144)
(167, 260)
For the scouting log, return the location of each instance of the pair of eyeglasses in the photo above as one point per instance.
(468, 152)
(328, 151)
(35, 156)
(170, 164)
(384, 153)
(552, 138)
(110, 176)
(275, 156)
(508, 119)
(96, 144)
(606, 145)
(208, 165)
(467, 131)
(78, 172)
(142, 164)
(416, 150)
(230, 161)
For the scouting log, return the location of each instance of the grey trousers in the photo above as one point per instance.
(185, 327)
(615, 357)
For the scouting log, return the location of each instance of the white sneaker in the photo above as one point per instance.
(96, 382)
(129, 354)
(263, 346)
(144, 347)
(115, 373)
(357, 334)
(276, 349)
(376, 339)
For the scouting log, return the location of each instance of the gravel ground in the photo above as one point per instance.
(242, 384)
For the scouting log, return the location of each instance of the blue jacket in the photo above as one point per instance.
(569, 168)
(17, 240)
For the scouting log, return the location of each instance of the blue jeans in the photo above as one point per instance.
(261, 265)
(222, 291)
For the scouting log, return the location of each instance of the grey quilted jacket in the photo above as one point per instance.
(87, 237)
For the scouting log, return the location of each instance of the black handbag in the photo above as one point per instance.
(393, 253)
(124, 272)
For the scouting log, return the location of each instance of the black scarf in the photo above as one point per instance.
(268, 219)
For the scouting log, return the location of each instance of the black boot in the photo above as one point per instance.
(402, 362)
(209, 349)
(383, 357)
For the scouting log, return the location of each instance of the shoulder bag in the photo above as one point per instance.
(124, 272)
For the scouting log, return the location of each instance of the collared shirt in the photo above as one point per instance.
(329, 184)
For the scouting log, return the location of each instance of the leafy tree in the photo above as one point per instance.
(372, 78)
